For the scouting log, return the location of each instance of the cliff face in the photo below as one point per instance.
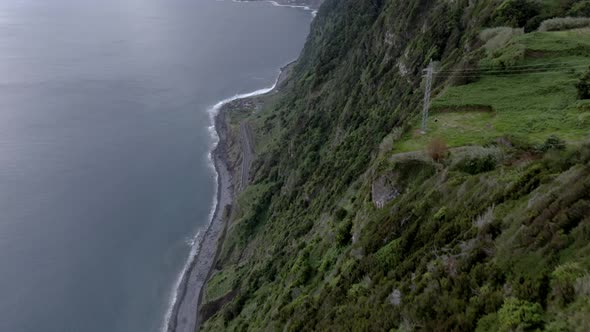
(355, 220)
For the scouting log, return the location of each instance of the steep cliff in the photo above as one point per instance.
(352, 218)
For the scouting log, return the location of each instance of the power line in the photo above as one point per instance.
(512, 70)
(507, 74)
(429, 73)
(547, 64)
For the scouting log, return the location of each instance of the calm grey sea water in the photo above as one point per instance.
(104, 177)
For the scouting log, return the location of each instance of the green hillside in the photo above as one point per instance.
(534, 97)
(355, 220)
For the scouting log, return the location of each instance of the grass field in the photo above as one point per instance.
(519, 103)
(220, 284)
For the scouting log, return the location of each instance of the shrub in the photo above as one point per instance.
(340, 214)
(583, 86)
(506, 57)
(564, 23)
(301, 270)
(487, 323)
(534, 23)
(553, 143)
(478, 164)
(563, 282)
(388, 256)
(520, 315)
(499, 51)
(516, 13)
(437, 149)
(386, 145)
(496, 38)
(475, 160)
(388, 141)
(441, 214)
(343, 233)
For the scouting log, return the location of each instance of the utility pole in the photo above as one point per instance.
(429, 72)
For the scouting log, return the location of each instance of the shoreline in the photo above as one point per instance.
(183, 315)
(184, 311)
(312, 7)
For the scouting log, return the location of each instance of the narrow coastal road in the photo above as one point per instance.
(247, 144)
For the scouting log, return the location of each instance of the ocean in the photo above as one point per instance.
(104, 172)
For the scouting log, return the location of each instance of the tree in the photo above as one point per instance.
(580, 9)
(520, 315)
(516, 13)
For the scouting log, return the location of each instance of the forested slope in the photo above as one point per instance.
(356, 220)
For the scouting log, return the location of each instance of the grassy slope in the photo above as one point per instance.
(489, 238)
(535, 105)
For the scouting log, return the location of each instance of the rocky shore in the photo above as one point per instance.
(187, 314)
(184, 317)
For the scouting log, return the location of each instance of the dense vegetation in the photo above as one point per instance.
(355, 220)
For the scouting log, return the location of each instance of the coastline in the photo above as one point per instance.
(309, 5)
(184, 313)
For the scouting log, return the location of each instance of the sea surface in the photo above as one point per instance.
(104, 170)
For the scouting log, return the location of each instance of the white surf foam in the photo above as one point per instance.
(213, 111)
(195, 243)
(194, 251)
(276, 4)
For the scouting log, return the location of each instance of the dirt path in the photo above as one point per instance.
(247, 143)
